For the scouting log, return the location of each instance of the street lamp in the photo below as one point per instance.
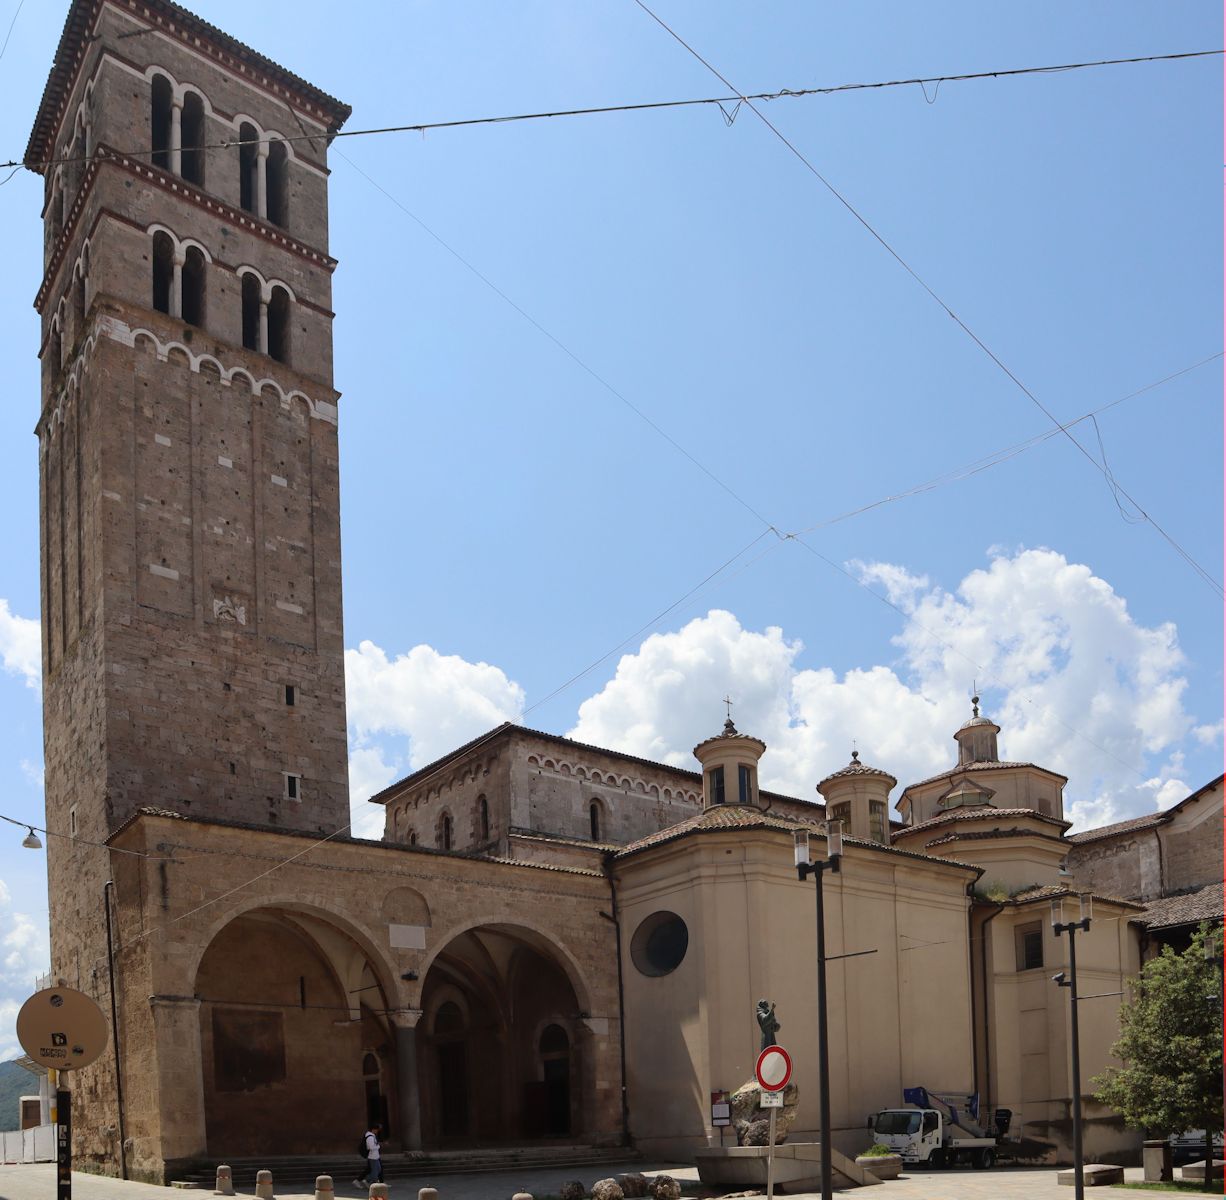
(833, 831)
(31, 841)
(1070, 982)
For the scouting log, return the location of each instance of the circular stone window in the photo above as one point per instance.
(659, 943)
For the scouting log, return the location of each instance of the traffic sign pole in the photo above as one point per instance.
(770, 1158)
(63, 1145)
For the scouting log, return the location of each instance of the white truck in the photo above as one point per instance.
(938, 1130)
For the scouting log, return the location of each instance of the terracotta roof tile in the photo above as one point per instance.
(981, 766)
(1132, 825)
(1191, 908)
(982, 812)
(1049, 891)
(725, 817)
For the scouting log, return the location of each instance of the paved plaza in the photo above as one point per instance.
(37, 1182)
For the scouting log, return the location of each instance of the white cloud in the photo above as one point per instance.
(24, 955)
(406, 711)
(20, 646)
(1076, 684)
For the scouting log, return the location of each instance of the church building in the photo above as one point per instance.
(551, 940)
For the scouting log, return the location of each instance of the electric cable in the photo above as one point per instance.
(782, 94)
(902, 262)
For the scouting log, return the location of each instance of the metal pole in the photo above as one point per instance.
(823, 1049)
(770, 1158)
(110, 966)
(1078, 1161)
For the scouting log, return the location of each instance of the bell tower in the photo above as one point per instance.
(189, 494)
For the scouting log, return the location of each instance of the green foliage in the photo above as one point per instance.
(1171, 1044)
(876, 1150)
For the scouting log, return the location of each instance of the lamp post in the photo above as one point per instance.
(833, 831)
(1070, 982)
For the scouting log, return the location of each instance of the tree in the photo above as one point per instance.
(1171, 1045)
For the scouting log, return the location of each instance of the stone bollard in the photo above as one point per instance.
(263, 1185)
(225, 1182)
(323, 1188)
(378, 1191)
(427, 1194)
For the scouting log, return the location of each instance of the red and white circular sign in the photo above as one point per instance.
(773, 1069)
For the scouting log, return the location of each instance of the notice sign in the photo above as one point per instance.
(771, 1100)
(721, 1110)
(61, 1028)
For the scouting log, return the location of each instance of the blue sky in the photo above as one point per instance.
(508, 519)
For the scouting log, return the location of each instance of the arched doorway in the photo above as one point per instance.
(501, 1055)
(296, 1045)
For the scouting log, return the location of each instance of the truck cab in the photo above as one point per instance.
(924, 1136)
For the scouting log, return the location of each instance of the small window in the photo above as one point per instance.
(412, 838)
(191, 137)
(277, 176)
(293, 787)
(593, 817)
(745, 784)
(278, 325)
(877, 825)
(163, 271)
(716, 778)
(290, 695)
(78, 306)
(839, 812)
(930, 1122)
(1029, 947)
(72, 821)
(248, 166)
(483, 812)
(160, 102)
(251, 311)
(445, 832)
(193, 287)
(1045, 805)
(659, 944)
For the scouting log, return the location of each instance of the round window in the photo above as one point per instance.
(659, 944)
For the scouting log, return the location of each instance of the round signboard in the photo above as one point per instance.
(773, 1069)
(61, 1028)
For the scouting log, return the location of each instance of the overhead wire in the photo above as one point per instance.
(1062, 427)
(12, 23)
(647, 106)
(987, 461)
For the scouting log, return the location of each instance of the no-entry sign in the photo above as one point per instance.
(773, 1069)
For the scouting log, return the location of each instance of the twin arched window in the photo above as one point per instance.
(178, 279)
(177, 127)
(266, 314)
(263, 175)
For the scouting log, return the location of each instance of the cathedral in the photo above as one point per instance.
(551, 940)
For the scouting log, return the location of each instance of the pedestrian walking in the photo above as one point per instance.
(372, 1157)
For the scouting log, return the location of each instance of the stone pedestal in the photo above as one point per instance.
(798, 1168)
(1093, 1175)
(1156, 1161)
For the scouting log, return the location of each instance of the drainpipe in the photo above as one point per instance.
(621, 994)
(987, 1008)
(110, 967)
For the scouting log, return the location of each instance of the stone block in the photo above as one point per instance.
(1093, 1175)
(606, 1189)
(1195, 1172)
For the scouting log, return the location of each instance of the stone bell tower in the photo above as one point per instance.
(189, 503)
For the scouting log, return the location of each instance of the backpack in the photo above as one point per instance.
(362, 1147)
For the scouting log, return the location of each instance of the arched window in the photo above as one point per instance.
(193, 287)
(277, 179)
(160, 121)
(593, 816)
(248, 166)
(483, 809)
(445, 832)
(412, 837)
(251, 311)
(78, 305)
(191, 138)
(163, 271)
(55, 351)
(278, 325)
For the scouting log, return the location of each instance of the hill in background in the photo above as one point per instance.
(15, 1082)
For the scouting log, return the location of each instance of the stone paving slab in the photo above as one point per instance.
(37, 1182)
